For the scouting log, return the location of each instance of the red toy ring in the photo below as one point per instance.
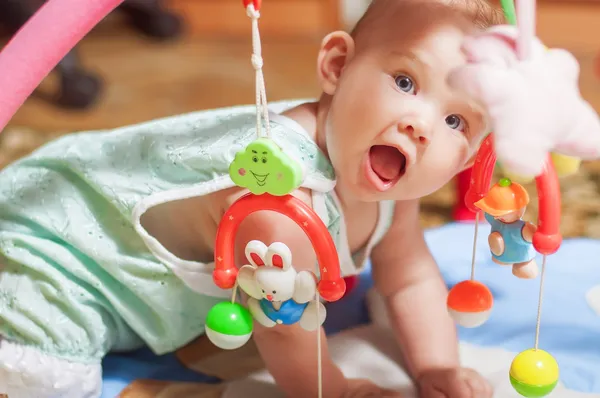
(331, 286)
(547, 238)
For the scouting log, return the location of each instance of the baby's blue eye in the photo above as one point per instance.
(405, 83)
(455, 122)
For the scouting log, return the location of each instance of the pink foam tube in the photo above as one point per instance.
(40, 44)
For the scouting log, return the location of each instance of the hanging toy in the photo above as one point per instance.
(531, 94)
(470, 303)
(263, 167)
(229, 325)
(533, 373)
(278, 294)
(510, 237)
(331, 286)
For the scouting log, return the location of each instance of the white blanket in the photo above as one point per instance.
(371, 352)
(570, 323)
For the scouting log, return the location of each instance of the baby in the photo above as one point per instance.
(107, 238)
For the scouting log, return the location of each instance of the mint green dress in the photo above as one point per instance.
(79, 275)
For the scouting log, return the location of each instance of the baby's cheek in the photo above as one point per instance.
(439, 168)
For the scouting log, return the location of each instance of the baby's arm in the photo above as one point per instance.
(289, 352)
(408, 278)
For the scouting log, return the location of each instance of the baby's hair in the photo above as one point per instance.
(480, 12)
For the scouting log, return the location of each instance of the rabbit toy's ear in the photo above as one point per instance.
(279, 255)
(256, 252)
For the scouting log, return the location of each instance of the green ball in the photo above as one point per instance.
(505, 182)
(229, 325)
(532, 391)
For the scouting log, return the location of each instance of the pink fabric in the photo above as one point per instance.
(40, 44)
(534, 104)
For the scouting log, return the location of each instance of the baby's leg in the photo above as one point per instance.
(309, 320)
(526, 270)
(54, 328)
(26, 372)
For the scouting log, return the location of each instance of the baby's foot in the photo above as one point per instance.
(528, 270)
(26, 372)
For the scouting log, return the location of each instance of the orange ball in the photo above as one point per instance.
(470, 303)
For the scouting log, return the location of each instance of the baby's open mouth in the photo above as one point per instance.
(387, 164)
(260, 178)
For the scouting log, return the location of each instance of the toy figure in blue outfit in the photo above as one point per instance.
(510, 238)
(278, 294)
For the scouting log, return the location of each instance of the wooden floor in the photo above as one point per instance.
(145, 80)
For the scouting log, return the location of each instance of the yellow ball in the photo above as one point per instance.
(564, 166)
(534, 373)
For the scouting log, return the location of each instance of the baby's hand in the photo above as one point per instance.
(454, 383)
(361, 388)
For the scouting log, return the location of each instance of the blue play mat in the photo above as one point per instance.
(570, 329)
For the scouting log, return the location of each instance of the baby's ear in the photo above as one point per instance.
(336, 51)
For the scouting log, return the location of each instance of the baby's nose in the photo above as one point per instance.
(415, 128)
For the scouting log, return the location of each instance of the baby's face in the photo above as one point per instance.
(395, 129)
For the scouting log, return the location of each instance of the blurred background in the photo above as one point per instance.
(156, 58)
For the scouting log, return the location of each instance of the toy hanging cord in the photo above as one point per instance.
(253, 11)
(331, 285)
(547, 238)
(508, 7)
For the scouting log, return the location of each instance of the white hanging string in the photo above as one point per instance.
(234, 293)
(257, 64)
(540, 300)
(319, 358)
(474, 246)
(263, 110)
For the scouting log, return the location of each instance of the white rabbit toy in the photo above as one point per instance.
(279, 294)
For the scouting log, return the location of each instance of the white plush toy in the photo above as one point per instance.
(279, 294)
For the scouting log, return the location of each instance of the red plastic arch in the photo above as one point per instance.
(331, 286)
(547, 238)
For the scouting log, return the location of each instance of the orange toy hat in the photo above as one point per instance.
(503, 198)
